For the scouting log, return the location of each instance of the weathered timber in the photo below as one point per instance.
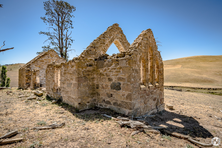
(8, 141)
(187, 138)
(10, 134)
(52, 126)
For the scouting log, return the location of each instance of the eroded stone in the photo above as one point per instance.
(115, 86)
(38, 93)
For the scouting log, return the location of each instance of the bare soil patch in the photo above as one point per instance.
(195, 114)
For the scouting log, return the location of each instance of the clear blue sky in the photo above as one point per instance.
(184, 27)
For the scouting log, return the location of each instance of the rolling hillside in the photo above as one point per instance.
(196, 71)
(12, 73)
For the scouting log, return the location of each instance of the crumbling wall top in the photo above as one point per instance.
(100, 45)
(41, 55)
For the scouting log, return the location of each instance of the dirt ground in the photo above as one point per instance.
(197, 115)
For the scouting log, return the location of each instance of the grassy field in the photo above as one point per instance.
(196, 71)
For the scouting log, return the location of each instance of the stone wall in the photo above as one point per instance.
(130, 82)
(77, 82)
(32, 74)
(99, 46)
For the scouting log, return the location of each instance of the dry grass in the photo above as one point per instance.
(191, 116)
(196, 71)
(195, 114)
(213, 91)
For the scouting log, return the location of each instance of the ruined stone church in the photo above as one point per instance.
(130, 82)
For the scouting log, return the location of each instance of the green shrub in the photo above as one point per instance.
(166, 137)
(8, 82)
(41, 123)
(3, 76)
(189, 146)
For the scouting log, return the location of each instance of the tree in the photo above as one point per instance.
(1, 50)
(3, 76)
(8, 82)
(4, 81)
(58, 17)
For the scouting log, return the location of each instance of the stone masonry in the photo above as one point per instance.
(130, 82)
(32, 74)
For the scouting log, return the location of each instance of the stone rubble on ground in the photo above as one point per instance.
(32, 97)
(169, 106)
(38, 93)
(40, 98)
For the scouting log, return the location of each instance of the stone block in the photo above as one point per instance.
(87, 72)
(122, 62)
(121, 79)
(38, 93)
(126, 105)
(82, 79)
(108, 102)
(119, 110)
(69, 85)
(109, 95)
(31, 97)
(130, 78)
(129, 97)
(170, 106)
(108, 63)
(126, 70)
(110, 79)
(127, 87)
(115, 86)
(120, 55)
(100, 64)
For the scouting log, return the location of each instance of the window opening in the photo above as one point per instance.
(112, 50)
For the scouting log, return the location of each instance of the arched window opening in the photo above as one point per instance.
(144, 69)
(112, 50)
(57, 77)
(37, 79)
(150, 65)
(157, 72)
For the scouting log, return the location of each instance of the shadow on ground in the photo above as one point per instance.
(94, 114)
(172, 121)
(181, 124)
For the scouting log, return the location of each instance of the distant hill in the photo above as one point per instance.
(196, 71)
(12, 73)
